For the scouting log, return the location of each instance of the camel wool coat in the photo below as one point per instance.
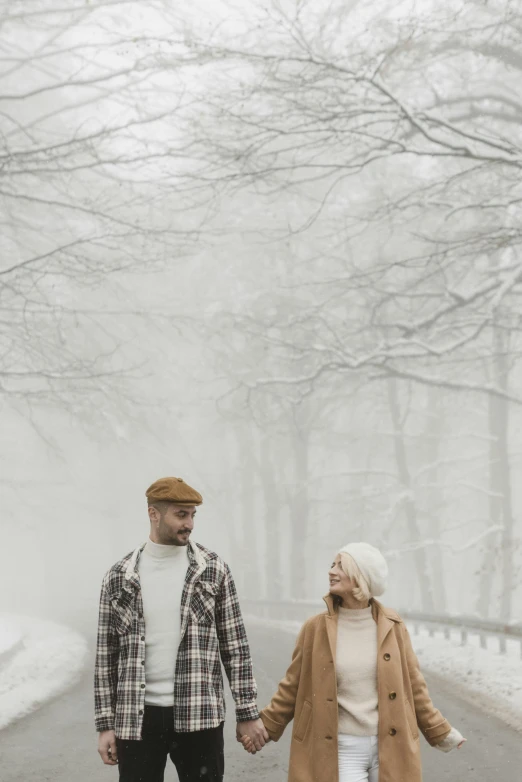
(308, 695)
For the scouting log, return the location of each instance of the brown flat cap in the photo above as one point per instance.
(173, 490)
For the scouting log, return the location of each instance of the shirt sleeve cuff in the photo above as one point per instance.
(247, 713)
(104, 723)
(451, 741)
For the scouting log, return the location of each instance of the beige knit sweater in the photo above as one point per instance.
(356, 664)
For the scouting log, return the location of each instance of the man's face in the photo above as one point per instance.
(172, 525)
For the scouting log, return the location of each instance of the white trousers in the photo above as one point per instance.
(358, 758)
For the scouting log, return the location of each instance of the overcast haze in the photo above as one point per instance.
(272, 248)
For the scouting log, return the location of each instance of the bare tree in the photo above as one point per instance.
(89, 187)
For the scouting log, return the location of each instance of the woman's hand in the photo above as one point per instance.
(454, 740)
(248, 744)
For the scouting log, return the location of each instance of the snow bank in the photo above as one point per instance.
(10, 636)
(49, 661)
(484, 677)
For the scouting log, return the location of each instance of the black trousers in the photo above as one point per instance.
(197, 756)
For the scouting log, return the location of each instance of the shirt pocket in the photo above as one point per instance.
(203, 602)
(123, 611)
(303, 722)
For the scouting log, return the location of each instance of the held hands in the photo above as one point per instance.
(247, 745)
(252, 735)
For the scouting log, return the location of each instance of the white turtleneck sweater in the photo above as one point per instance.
(162, 571)
(356, 665)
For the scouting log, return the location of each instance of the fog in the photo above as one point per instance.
(273, 249)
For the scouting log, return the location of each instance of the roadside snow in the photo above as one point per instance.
(10, 635)
(492, 681)
(50, 661)
(486, 678)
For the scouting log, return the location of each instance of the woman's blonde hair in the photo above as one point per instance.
(361, 591)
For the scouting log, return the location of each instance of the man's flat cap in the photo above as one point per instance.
(173, 490)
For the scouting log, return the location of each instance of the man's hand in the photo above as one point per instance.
(107, 747)
(255, 732)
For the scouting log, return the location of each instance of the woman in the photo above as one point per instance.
(354, 688)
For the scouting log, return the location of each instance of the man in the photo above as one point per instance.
(168, 614)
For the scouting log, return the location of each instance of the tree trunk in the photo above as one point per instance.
(490, 547)
(410, 510)
(432, 493)
(501, 445)
(233, 446)
(500, 494)
(299, 513)
(251, 552)
(272, 518)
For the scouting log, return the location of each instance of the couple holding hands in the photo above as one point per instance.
(169, 616)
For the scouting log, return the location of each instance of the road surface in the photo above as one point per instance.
(58, 744)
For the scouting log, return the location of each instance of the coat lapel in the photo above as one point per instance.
(132, 578)
(197, 564)
(384, 623)
(331, 620)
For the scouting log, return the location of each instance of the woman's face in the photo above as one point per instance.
(340, 583)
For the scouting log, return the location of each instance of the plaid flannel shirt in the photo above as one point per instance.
(211, 630)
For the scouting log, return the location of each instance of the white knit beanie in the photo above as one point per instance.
(371, 563)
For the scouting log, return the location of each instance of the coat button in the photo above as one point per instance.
(387, 656)
(392, 731)
(392, 696)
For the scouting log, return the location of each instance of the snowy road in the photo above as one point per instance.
(57, 743)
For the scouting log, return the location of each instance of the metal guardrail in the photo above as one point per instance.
(466, 625)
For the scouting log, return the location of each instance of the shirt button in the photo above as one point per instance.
(140, 712)
(142, 686)
(392, 696)
(143, 662)
(142, 637)
(329, 738)
(387, 656)
(392, 731)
